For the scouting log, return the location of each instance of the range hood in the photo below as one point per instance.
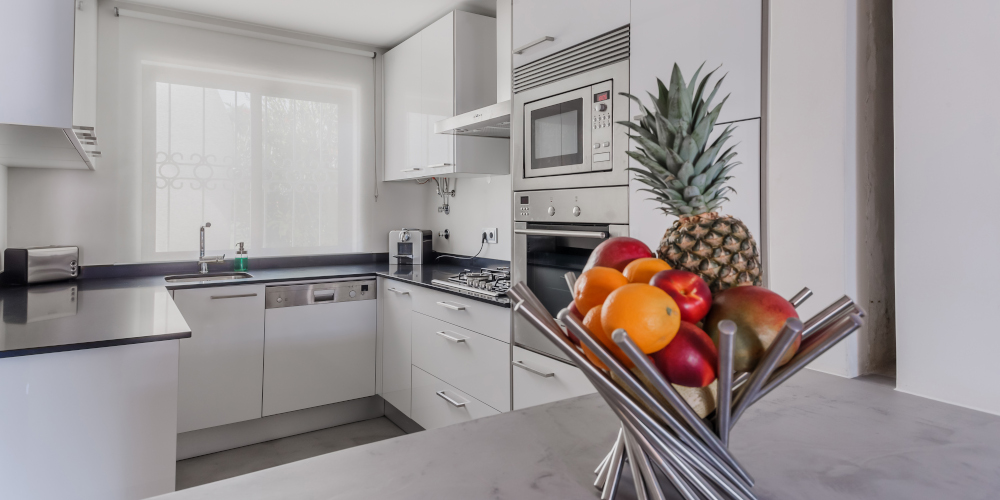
(490, 121)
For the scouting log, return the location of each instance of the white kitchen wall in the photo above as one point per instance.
(99, 211)
(946, 124)
(478, 203)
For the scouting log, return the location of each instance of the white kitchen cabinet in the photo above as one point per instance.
(438, 404)
(446, 69)
(567, 22)
(221, 365)
(327, 357)
(470, 361)
(481, 317)
(540, 379)
(726, 32)
(396, 342)
(48, 86)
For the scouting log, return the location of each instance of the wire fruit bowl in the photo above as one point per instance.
(659, 428)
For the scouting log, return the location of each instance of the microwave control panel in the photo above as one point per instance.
(602, 99)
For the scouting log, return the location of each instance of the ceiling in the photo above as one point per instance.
(379, 23)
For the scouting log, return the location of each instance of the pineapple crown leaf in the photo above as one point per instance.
(684, 172)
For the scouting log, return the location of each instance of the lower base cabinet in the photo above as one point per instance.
(540, 379)
(438, 404)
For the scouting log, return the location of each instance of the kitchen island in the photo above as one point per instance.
(817, 437)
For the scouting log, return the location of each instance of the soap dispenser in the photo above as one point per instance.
(241, 263)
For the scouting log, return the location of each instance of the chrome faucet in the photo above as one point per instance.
(202, 260)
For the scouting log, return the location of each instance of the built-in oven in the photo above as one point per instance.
(565, 133)
(555, 233)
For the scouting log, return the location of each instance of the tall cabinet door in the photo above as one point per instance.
(85, 65)
(222, 365)
(396, 313)
(405, 119)
(568, 22)
(437, 82)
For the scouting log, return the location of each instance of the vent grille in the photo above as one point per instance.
(608, 48)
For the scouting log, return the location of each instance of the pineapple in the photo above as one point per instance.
(688, 176)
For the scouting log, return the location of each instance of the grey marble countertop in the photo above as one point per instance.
(818, 437)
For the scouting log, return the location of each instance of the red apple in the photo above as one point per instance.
(690, 359)
(617, 252)
(576, 313)
(759, 315)
(688, 290)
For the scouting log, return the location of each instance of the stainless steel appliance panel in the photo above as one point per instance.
(318, 293)
(603, 205)
(40, 264)
(410, 246)
(604, 142)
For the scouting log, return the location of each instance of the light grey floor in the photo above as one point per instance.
(231, 463)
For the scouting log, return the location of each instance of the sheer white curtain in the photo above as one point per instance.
(271, 143)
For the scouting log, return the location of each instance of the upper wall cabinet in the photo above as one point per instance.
(543, 27)
(726, 32)
(446, 69)
(48, 85)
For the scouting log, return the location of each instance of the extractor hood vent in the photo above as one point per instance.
(491, 121)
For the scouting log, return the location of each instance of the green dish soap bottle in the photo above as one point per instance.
(241, 263)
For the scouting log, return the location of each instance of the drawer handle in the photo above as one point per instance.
(414, 169)
(401, 292)
(452, 305)
(521, 365)
(454, 402)
(233, 296)
(532, 44)
(453, 337)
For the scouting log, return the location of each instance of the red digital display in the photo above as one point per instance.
(603, 96)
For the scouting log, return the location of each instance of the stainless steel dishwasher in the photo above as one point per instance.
(319, 344)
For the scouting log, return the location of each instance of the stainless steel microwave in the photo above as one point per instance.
(565, 133)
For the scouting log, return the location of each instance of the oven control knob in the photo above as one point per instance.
(576, 211)
(353, 294)
(601, 107)
(552, 210)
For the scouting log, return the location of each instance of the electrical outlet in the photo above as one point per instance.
(491, 234)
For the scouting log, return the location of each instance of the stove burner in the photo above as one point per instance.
(493, 282)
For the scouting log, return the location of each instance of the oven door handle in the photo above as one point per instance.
(600, 235)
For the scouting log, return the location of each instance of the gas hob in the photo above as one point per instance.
(493, 282)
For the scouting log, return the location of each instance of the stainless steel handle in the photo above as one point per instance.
(451, 305)
(234, 296)
(403, 256)
(324, 295)
(457, 404)
(401, 292)
(532, 44)
(521, 365)
(452, 338)
(554, 232)
(414, 169)
(436, 165)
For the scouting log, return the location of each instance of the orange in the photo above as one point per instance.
(594, 285)
(593, 323)
(649, 316)
(642, 270)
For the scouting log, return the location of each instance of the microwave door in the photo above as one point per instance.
(557, 133)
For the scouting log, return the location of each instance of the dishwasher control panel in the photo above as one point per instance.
(309, 294)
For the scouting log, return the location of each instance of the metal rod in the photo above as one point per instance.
(711, 449)
(826, 316)
(571, 281)
(615, 473)
(633, 452)
(824, 341)
(724, 386)
(779, 346)
(801, 297)
(606, 457)
(740, 379)
(694, 422)
(697, 455)
(648, 475)
(602, 479)
(671, 466)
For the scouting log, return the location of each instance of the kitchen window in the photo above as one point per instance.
(268, 162)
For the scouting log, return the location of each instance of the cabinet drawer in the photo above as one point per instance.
(431, 409)
(492, 321)
(474, 363)
(539, 379)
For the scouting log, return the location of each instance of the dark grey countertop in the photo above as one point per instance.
(817, 437)
(103, 312)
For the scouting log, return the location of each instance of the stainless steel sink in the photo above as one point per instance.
(181, 278)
